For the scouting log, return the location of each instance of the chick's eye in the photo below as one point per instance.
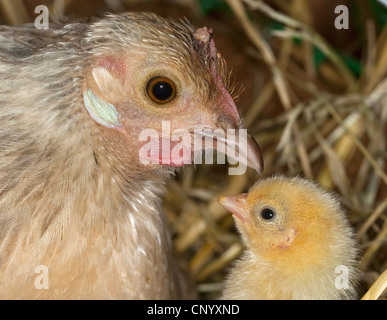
(161, 90)
(267, 213)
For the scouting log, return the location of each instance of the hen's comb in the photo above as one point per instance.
(204, 45)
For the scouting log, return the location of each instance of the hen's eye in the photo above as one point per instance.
(267, 213)
(161, 90)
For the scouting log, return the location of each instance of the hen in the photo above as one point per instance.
(299, 243)
(79, 199)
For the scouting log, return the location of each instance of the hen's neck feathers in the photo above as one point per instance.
(62, 198)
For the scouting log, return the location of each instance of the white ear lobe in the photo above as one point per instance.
(101, 111)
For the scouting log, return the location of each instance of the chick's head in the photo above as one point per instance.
(290, 221)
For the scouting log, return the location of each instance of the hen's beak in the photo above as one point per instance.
(254, 155)
(238, 145)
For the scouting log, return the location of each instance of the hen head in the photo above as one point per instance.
(150, 84)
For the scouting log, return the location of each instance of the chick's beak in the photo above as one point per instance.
(237, 205)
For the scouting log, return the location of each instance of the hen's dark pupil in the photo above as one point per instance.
(267, 214)
(162, 90)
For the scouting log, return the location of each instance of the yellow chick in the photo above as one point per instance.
(299, 243)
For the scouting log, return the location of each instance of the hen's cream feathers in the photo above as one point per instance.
(73, 196)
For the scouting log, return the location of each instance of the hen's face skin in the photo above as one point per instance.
(167, 79)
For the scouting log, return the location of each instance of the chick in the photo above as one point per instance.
(299, 243)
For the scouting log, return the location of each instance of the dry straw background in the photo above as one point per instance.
(314, 97)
